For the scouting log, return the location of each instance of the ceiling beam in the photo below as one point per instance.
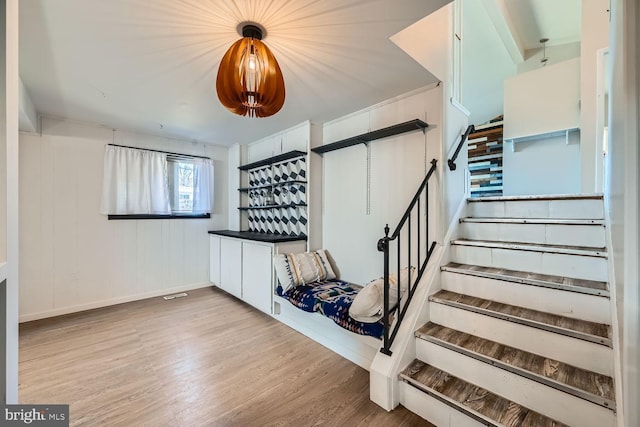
(499, 15)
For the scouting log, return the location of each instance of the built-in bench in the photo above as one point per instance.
(332, 299)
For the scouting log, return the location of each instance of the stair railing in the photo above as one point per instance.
(452, 161)
(421, 197)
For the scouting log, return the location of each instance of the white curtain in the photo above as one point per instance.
(202, 186)
(134, 182)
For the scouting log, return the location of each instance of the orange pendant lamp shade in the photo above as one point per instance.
(249, 78)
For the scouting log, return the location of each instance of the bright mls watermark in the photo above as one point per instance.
(35, 415)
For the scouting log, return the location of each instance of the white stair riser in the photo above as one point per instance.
(543, 399)
(565, 209)
(576, 266)
(550, 234)
(433, 410)
(583, 354)
(563, 303)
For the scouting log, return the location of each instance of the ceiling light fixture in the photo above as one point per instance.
(544, 59)
(249, 78)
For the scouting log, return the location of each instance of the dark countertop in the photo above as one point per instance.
(259, 237)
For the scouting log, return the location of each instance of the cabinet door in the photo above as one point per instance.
(256, 275)
(231, 266)
(296, 139)
(214, 259)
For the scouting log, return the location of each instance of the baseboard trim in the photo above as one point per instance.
(113, 301)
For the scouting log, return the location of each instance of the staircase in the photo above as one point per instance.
(519, 334)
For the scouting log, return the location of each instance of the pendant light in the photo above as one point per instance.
(249, 79)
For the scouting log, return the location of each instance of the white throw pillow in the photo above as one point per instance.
(300, 268)
(367, 306)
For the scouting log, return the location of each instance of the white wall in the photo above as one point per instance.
(545, 166)
(73, 258)
(485, 64)
(398, 165)
(621, 191)
(236, 157)
(9, 89)
(430, 42)
(595, 36)
(542, 101)
(555, 54)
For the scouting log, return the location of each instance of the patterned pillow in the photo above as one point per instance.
(367, 306)
(301, 268)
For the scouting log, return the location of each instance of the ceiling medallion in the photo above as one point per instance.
(249, 81)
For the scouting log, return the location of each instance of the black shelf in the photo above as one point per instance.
(259, 237)
(271, 160)
(410, 126)
(290, 205)
(277, 184)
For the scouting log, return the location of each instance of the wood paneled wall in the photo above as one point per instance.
(363, 190)
(73, 258)
(485, 160)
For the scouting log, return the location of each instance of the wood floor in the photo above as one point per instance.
(204, 360)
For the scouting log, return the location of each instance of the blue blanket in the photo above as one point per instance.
(332, 299)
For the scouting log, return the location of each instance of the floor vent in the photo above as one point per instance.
(174, 296)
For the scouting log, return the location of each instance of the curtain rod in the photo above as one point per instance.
(160, 151)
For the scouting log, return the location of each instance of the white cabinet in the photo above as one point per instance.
(214, 259)
(231, 266)
(257, 275)
(244, 268)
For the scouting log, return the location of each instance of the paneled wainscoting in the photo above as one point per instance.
(203, 360)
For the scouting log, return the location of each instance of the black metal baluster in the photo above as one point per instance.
(383, 246)
(385, 311)
(409, 257)
(419, 234)
(426, 211)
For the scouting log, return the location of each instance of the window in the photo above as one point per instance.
(181, 174)
(147, 184)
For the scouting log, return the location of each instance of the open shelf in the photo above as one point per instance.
(410, 126)
(271, 160)
(290, 205)
(275, 184)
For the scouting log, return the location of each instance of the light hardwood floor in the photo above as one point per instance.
(204, 360)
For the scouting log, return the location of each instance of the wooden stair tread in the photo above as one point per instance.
(545, 280)
(597, 196)
(573, 327)
(534, 247)
(472, 399)
(585, 384)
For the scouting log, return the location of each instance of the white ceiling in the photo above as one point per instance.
(150, 65)
(557, 20)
